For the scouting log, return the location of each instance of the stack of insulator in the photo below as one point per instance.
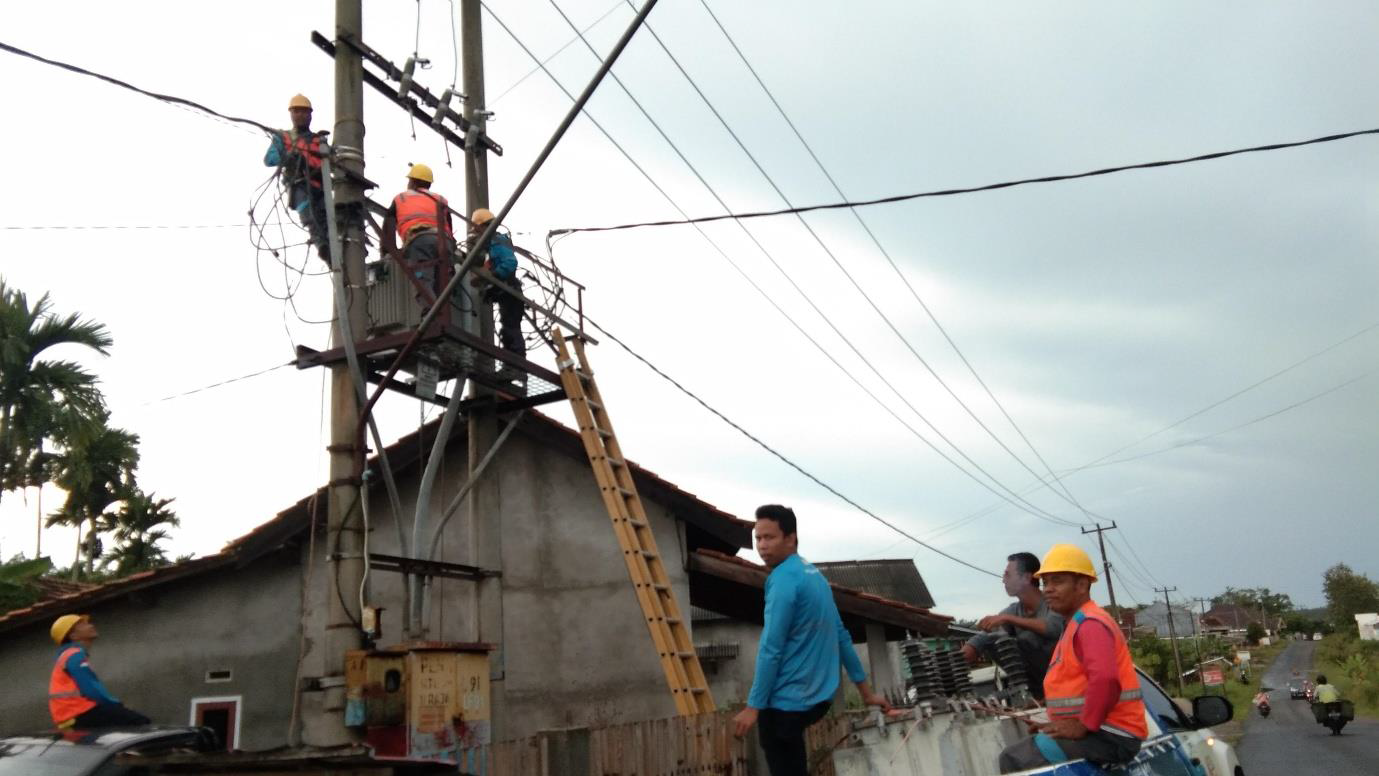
(959, 679)
(1009, 659)
(925, 679)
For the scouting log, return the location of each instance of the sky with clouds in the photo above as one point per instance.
(1099, 312)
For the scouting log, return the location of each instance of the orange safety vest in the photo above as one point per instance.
(418, 209)
(1065, 685)
(65, 701)
(308, 149)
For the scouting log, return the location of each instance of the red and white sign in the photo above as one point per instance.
(1213, 677)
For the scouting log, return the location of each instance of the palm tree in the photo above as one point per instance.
(96, 469)
(41, 399)
(138, 532)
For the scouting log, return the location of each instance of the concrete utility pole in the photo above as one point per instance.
(1173, 636)
(1197, 639)
(344, 531)
(1105, 564)
(485, 504)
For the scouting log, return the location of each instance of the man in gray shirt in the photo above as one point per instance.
(1035, 627)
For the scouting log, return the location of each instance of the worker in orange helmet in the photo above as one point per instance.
(1091, 688)
(297, 152)
(76, 697)
(422, 219)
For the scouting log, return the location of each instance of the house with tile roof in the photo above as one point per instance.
(232, 639)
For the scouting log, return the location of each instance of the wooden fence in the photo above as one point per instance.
(701, 745)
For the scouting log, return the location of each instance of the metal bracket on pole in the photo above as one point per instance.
(405, 99)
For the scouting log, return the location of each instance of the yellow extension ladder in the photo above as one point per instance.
(663, 618)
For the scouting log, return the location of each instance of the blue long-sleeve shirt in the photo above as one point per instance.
(78, 667)
(803, 641)
(503, 260)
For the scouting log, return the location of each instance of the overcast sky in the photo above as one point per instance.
(1098, 311)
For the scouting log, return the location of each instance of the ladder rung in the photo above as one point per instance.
(660, 588)
(592, 403)
(637, 522)
(603, 432)
(684, 655)
(698, 690)
(625, 492)
(615, 462)
(648, 554)
(585, 376)
(673, 620)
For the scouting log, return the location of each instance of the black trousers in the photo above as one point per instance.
(313, 217)
(109, 715)
(782, 738)
(1098, 747)
(509, 317)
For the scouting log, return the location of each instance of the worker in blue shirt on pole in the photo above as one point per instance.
(803, 643)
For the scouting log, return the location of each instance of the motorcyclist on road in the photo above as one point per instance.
(1324, 692)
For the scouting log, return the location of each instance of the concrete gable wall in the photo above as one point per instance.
(574, 649)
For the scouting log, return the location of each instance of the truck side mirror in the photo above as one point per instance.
(1211, 710)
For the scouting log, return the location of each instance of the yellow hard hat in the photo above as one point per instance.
(63, 625)
(1069, 558)
(299, 101)
(421, 172)
(481, 216)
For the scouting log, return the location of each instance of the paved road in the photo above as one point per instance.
(1291, 742)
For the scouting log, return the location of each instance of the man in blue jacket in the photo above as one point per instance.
(501, 261)
(76, 696)
(803, 642)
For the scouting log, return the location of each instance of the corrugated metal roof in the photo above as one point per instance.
(897, 580)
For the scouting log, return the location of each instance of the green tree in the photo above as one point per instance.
(138, 527)
(1155, 656)
(1255, 599)
(1254, 632)
(42, 400)
(17, 577)
(1348, 594)
(96, 469)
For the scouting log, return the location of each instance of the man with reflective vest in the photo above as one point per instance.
(76, 698)
(501, 262)
(1091, 689)
(297, 152)
(422, 219)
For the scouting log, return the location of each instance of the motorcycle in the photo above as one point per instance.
(1261, 701)
(1333, 715)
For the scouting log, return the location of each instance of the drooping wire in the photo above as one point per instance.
(168, 98)
(219, 384)
(1067, 496)
(781, 456)
(998, 485)
(974, 189)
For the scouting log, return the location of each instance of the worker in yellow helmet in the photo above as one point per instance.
(76, 698)
(501, 262)
(297, 153)
(422, 219)
(1091, 689)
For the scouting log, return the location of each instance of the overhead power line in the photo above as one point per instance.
(1009, 494)
(975, 189)
(220, 383)
(87, 227)
(168, 98)
(541, 63)
(781, 456)
(1066, 494)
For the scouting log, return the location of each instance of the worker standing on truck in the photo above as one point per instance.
(803, 642)
(1091, 688)
(1035, 627)
(76, 698)
(297, 152)
(422, 219)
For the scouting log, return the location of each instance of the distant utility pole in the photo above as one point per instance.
(1105, 564)
(1196, 637)
(344, 532)
(1173, 636)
